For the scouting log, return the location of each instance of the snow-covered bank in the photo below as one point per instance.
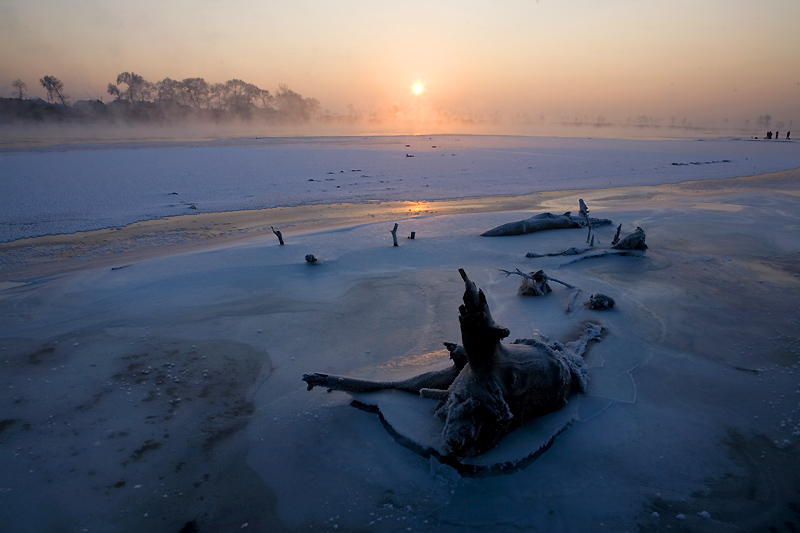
(84, 187)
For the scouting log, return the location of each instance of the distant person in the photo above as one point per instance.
(769, 135)
(787, 135)
(776, 134)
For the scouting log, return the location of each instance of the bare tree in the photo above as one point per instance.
(216, 95)
(240, 95)
(195, 92)
(114, 91)
(138, 88)
(265, 98)
(293, 106)
(20, 86)
(167, 89)
(235, 94)
(146, 91)
(54, 88)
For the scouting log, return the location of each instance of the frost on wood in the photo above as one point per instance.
(631, 245)
(600, 301)
(634, 241)
(535, 283)
(491, 387)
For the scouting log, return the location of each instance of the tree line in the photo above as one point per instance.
(136, 98)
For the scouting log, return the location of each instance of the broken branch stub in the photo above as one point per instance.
(277, 234)
(394, 234)
(492, 387)
(585, 212)
(615, 240)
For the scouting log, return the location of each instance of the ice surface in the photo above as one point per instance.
(83, 187)
(170, 390)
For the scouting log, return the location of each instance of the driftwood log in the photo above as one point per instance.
(492, 387)
(543, 222)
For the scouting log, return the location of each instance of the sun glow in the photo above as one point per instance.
(418, 207)
(418, 88)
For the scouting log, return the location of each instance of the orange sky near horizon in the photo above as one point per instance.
(706, 61)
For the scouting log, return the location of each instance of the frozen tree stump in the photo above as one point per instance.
(634, 241)
(491, 387)
(535, 283)
(599, 302)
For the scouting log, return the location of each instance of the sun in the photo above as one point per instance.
(417, 88)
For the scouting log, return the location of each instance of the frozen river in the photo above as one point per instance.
(166, 393)
(71, 188)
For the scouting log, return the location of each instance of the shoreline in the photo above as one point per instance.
(53, 136)
(50, 255)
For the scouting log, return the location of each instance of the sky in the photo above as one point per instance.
(707, 62)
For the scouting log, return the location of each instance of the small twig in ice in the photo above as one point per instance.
(572, 299)
(568, 251)
(567, 285)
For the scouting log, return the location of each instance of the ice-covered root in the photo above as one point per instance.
(476, 417)
(438, 379)
(591, 332)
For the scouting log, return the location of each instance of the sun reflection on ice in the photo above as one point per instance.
(418, 207)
